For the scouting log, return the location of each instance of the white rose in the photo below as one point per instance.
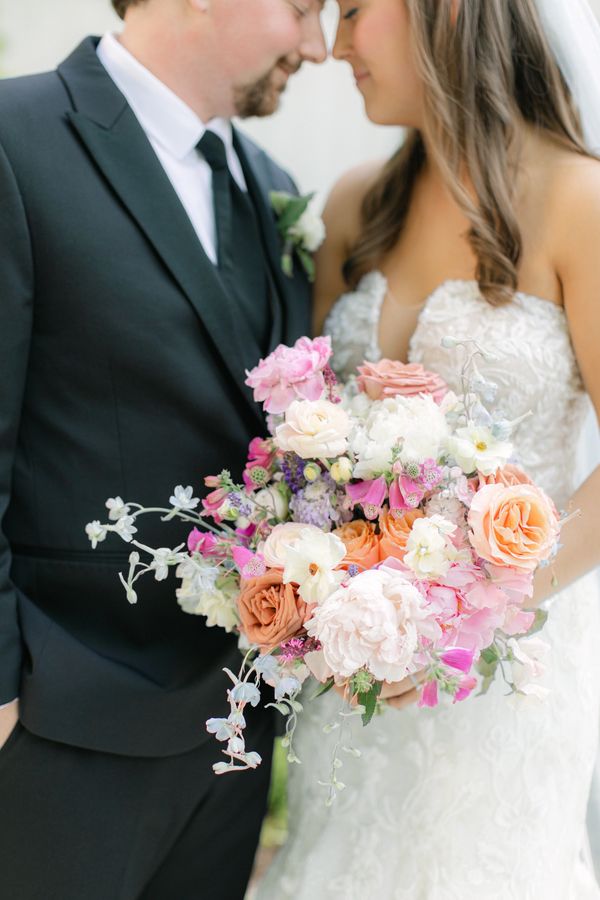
(313, 429)
(273, 501)
(374, 622)
(274, 549)
(310, 230)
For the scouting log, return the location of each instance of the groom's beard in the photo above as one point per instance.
(261, 98)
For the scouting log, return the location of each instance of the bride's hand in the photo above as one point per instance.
(398, 694)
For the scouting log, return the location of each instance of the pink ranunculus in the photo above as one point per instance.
(388, 378)
(466, 686)
(202, 542)
(291, 373)
(369, 494)
(514, 526)
(429, 695)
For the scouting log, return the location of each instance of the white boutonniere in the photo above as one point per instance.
(301, 229)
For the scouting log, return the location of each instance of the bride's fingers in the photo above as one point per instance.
(407, 699)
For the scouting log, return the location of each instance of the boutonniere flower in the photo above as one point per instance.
(301, 229)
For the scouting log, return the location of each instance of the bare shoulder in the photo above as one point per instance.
(574, 195)
(342, 218)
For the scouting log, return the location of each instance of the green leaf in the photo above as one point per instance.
(489, 655)
(287, 264)
(541, 617)
(279, 200)
(323, 688)
(295, 207)
(369, 701)
(485, 685)
(307, 262)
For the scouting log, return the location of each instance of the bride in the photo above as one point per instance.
(491, 212)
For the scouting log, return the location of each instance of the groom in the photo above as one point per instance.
(139, 277)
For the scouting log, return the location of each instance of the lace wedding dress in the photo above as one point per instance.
(485, 800)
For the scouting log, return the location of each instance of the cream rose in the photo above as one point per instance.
(314, 429)
(275, 548)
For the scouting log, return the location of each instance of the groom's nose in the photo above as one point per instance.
(313, 47)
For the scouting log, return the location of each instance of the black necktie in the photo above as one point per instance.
(240, 253)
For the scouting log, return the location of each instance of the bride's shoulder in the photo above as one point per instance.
(343, 222)
(573, 192)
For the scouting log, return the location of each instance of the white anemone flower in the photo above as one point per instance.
(183, 498)
(310, 563)
(475, 448)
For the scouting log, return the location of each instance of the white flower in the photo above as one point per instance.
(125, 528)
(274, 549)
(273, 500)
(183, 498)
(96, 532)
(313, 429)
(429, 553)
(162, 557)
(309, 229)
(375, 621)
(475, 448)
(528, 666)
(310, 563)
(117, 508)
(202, 595)
(416, 425)
(341, 470)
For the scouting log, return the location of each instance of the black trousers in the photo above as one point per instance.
(81, 825)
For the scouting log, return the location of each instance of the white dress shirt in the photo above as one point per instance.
(173, 130)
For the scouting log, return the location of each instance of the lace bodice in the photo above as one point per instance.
(484, 800)
(533, 363)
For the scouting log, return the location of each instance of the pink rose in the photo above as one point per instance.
(291, 373)
(514, 526)
(388, 378)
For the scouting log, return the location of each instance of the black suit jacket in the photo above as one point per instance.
(121, 373)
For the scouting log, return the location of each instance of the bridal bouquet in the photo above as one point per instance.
(381, 531)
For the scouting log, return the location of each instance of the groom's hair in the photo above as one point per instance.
(121, 6)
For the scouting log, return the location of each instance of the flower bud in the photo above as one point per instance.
(341, 470)
(311, 472)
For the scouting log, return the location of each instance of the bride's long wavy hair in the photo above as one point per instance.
(481, 70)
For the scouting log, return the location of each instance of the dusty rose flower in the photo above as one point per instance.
(270, 612)
(388, 377)
(362, 544)
(395, 533)
(514, 526)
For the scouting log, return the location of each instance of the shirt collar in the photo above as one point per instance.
(161, 113)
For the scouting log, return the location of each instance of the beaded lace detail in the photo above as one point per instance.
(485, 800)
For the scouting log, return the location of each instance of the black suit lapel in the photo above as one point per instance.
(116, 141)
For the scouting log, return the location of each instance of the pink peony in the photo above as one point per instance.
(289, 373)
(513, 526)
(388, 378)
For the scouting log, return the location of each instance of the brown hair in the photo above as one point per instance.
(481, 71)
(121, 6)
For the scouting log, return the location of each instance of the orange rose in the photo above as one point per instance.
(515, 526)
(395, 532)
(508, 475)
(362, 544)
(271, 612)
(388, 378)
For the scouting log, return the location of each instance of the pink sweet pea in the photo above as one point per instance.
(290, 373)
(202, 543)
(213, 502)
(369, 494)
(429, 695)
(458, 658)
(465, 688)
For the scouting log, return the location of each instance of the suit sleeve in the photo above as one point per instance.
(16, 314)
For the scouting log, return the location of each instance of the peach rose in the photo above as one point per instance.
(508, 475)
(515, 526)
(270, 611)
(395, 533)
(362, 544)
(388, 378)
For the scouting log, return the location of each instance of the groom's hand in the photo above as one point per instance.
(9, 716)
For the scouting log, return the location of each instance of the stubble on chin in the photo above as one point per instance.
(261, 97)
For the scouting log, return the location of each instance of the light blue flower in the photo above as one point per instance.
(245, 692)
(267, 666)
(287, 686)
